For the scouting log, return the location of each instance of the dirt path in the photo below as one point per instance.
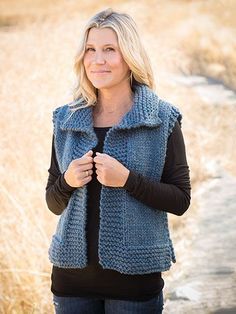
(209, 282)
(209, 90)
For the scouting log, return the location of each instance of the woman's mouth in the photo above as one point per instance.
(100, 72)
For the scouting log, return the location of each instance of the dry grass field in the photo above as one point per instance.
(38, 41)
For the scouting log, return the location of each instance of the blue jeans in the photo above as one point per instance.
(81, 305)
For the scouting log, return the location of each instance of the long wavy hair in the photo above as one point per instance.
(132, 50)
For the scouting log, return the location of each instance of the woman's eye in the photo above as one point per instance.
(89, 49)
(92, 49)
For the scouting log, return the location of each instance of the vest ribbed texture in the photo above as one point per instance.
(133, 238)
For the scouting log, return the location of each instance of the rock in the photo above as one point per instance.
(186, 292)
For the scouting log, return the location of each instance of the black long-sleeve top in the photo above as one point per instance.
(172, 194)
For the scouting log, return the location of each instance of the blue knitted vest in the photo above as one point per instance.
(133, 238)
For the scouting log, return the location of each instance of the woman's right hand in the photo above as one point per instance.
(75, 175)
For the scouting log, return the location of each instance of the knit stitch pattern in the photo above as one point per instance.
(133, 237)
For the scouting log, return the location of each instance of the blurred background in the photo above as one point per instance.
(192, 48)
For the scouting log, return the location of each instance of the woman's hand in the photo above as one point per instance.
(75, 174)
(110, 172)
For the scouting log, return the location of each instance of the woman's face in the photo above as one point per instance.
(103, 61)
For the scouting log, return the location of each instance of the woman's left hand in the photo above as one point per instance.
(110, 172)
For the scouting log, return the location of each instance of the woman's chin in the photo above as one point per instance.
(101, 85)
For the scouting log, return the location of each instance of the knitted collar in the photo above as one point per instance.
(144, 112)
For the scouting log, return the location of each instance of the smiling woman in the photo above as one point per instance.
(104, 65)
(114, 47)
(118, 167)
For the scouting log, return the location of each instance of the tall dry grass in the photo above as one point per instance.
(38, 42)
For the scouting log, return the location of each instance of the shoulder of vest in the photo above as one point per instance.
(59, 112)
(173, 113)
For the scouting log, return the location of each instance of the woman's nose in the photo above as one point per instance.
(99, 58)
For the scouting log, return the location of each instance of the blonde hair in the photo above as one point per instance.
(133, 52)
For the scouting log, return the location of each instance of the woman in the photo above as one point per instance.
(118, 166)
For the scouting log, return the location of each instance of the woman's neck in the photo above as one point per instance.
(114, 102)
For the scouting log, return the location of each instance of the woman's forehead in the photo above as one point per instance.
(103, 35)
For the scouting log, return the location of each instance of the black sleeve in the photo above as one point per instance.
(173, 193)
(58, 192)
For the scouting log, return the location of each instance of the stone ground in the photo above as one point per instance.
(208, 283)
